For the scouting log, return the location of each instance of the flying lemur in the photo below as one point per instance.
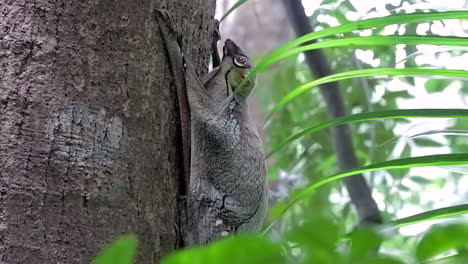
(227, 187)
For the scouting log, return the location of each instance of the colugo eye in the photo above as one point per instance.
(240, 61)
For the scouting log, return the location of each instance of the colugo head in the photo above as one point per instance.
(241, 67)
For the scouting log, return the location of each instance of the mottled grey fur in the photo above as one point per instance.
(227, 189)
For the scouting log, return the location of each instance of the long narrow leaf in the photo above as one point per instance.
(370, 23)
(445, 132)
(400, 113)
(365, 73)
(430, 160)
(422, 217)
(374, 23)
(236, 5)
(358, 25)
(368, 41)
(453, 259)
(431, 215)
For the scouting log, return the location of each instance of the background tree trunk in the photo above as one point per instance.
(89, 148)
(360, 193)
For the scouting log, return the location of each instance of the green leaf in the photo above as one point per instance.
(404, 188)
(440, 239)
(436, 85)
(375, 41)
(398, 94)
(372, 23)
(400, 173)
(381, 259)
(443, 131)
(277, 209)
(238, 249)
(431, 215)
(121, 251)
(420, 180)
(454, 259)
(364, 73)
(316, 231)
(419, 218)
(424, 142)
(364, 242)
(234, 7)
(461, 169)
(404, 113)
(358, 25)
(319, 237)
(430, 160)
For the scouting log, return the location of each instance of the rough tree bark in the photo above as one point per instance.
(88, 126)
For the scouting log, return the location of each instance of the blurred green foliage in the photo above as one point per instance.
(121, 251)
(241, 249)
(322, 227)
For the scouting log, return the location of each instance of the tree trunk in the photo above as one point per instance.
(360, 193)
(89, 145)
